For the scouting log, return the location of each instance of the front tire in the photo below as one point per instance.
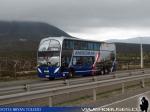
(70, 75)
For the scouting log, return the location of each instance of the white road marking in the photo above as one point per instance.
(119, 101)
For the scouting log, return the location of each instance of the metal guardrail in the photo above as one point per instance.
(30, 95)
(21, 82)
(11, 89)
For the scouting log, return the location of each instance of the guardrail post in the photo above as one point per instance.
(27, 87)
(95, 78)
(114, 75)
(122, 88)
(94, 94)
(142, 83)
(15, 75)
(67, 82)
(143, 71)
(50, 101)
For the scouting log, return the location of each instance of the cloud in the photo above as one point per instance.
(106, 33)
(80, 15)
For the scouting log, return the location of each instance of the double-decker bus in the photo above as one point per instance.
(67, 57)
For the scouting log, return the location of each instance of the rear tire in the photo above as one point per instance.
(102, 72)
(108, 71)
(71, 73)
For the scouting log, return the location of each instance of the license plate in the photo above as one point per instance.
(47, 76)
(46, 71)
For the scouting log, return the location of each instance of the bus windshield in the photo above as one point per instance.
(49, 53)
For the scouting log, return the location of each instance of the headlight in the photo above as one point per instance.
(56, 70)
(39, 70)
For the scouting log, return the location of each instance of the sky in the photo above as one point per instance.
(88, 19)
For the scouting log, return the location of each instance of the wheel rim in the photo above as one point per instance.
(102, 72)
(70, 74)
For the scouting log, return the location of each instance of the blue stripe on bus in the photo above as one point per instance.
(84, 71)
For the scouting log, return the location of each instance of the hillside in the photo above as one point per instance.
(25, 36)
(21, 39)
(127, 48)
(28, 30)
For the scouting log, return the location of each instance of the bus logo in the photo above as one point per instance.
(84, 53)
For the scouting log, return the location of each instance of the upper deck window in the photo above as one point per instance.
(49, 53)
(96, 46)
(68, 44)
(49, 45)
(90, 45)
(84, 45)
(80, 45)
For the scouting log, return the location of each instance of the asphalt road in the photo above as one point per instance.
(39, 80)
(131, 103)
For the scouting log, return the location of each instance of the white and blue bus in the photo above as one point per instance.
(67, 57)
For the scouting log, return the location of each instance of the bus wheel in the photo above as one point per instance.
(102, 72)
(70, 74)
(108, 70)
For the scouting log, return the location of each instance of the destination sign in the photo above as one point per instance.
(84, 53)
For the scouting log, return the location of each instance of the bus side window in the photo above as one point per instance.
(63, 61)
(74, 61)
(93, 59)
(90, 61)
(80, 61)
(67, 61)
(77, 61)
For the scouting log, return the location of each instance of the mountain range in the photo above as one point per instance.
(21, 39)
(137, 40)
(28, 30)
(24, 35)
(131, 45)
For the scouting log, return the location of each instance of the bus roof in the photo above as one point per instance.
(71, 38)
